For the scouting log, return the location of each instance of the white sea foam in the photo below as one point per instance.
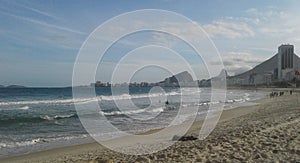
(21, 143)
(24, 108)
(129, 112)
(38, 140)
(37, 102)
(51, 118)
(87, 100)
(136, 96)
(16, 108)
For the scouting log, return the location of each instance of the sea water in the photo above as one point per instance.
(34, 119)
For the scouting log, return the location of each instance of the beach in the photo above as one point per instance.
(266, 132)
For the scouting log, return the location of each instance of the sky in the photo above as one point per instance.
(40, 40)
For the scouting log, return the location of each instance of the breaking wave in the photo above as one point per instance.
(16, 108)
(12, 120)
(38, 140)
(57, 117)
(129, 112)
(86, 100)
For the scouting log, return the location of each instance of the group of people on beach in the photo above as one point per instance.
(275, 94)
(281, 93)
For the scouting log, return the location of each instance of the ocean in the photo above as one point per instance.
(35, 119)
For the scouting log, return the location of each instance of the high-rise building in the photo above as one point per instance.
(285, 60)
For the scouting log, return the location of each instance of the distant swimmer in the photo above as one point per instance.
(167, 102)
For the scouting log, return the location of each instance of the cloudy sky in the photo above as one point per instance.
(40, 40)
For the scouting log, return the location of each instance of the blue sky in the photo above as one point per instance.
(39, 40)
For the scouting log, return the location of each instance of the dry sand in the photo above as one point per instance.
(268, 132)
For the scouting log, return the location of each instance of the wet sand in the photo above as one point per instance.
(267, 132)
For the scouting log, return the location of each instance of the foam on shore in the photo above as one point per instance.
(259, 133)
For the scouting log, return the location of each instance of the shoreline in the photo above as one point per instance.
(92, 146)
(259, 132)
(240, 101)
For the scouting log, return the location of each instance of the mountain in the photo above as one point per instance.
(1, 86)
(181, 79)
(223, 73)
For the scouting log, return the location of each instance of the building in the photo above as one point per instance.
(283, 66)
(285, 60)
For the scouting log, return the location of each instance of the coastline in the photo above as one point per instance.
(47, 155)
(243, 120)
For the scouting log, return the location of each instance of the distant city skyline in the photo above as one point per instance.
(39, 40)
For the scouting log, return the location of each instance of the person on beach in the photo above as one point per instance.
(281, 93)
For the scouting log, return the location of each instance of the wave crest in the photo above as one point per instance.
(87, 100)
(129, 112)
(57, 117)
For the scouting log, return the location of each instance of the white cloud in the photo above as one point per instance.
(266, 14)
(277, 31)
(188, 30)
(42, 23)
(167, 33)
(264, 49)
(275, 22)
(247, 20)
(35, 10)
(238, 62)
(228, 29)
(251, 11)
(51, 34)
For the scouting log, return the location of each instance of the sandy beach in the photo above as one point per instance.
(266, 132)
